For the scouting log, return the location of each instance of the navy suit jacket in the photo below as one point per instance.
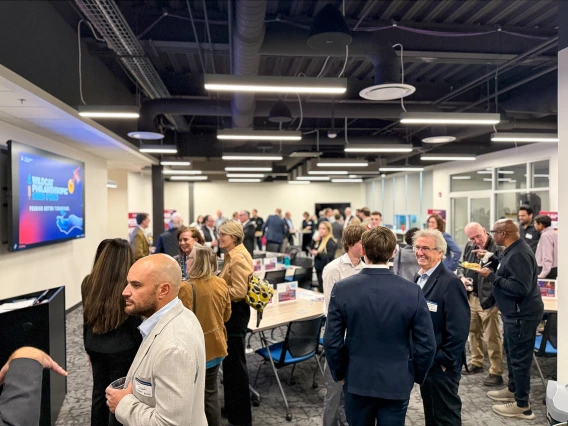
(449, 309)
(389, 343)
(275, 229)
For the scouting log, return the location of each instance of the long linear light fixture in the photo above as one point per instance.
(188, 178)
(159, 149)
(501, 172)
(275, 84)
(401, 169)
(108, 111)
(314, 178)
(245, 180)
(175, 163)
(447, 157)
(449, 118)
(299, 182)
(341, 162)
(245, 175)
(347, 180)
(326, 172)
(461, 177)
(380, 148)
(258, 135)
(182, 172)
(251, 157)
(248, 169)
(524, 137)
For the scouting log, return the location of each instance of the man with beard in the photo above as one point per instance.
(527, 229)
(166, 382)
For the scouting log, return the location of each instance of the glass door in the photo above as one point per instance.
(460, 217)
(480, 211)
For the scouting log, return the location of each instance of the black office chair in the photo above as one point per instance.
(292, 253)
(300, 344)
(275, 277)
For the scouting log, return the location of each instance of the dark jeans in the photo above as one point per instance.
(212, 408)
(259, 242)
(319, 274)
(365, 410)
(235, 373)
(442, 404)
(552, 275)
(519, 337)
(106, 369)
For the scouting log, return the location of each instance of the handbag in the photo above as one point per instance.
(259, 294)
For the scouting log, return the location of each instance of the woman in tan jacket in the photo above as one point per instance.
(236, 271)
(212, 308)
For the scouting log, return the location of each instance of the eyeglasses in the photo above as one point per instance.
(220, 235)
(423, 249)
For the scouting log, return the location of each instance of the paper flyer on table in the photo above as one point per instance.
(287, 292)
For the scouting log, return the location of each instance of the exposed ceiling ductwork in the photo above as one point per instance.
(248, 37)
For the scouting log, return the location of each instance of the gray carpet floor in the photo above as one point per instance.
(306, 402)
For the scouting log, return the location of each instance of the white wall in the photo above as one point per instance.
(117, 209)
(176, 197)
(139, 193)
(64, 263)
(266, 197)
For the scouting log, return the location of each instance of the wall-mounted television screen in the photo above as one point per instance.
(47, 197)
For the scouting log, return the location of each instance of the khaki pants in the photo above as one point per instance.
(485, 324)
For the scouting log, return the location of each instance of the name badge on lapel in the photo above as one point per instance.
(528, 236)
(432, 306)
(142, 387)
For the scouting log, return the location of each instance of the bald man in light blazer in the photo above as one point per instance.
(166, 382)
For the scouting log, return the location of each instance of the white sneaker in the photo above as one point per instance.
(513, 410)
(504, 395)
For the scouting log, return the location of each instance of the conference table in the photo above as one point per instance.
(550, 305)
(308, 305)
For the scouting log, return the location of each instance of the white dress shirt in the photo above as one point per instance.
(335, 271)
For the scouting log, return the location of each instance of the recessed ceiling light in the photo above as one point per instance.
(248, 169)
(447, 157)
(275, 84)
(245, 175)
(150, 136)
(347, 180)
(251, 157)
(188, 178)
(258, 135)
(401, 169)
(182, 172)
(449, 118)
(524, 137)
(175, 163)
(322, 178)
(158, 149)
(379, 148)
(439, 139)
(245, 180)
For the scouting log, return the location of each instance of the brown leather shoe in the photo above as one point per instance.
(493, 380)
(473, 369)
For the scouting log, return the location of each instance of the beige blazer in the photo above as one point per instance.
(140, 245)
(237, 268)
(168, 375)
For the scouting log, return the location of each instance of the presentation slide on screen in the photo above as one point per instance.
(51, 199)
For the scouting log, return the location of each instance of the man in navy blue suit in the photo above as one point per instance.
(447, 302)
(379, 338)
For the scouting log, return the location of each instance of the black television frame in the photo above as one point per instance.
(15, 148)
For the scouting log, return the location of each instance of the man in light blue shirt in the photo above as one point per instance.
(422, 279)
(149, 323)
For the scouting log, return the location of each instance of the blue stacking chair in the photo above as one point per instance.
(301, 344)
(546, 345)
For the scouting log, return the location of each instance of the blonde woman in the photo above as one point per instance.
(236, 271)
(323, 250)
(212, 308)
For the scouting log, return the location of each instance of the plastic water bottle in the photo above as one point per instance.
(286, 260)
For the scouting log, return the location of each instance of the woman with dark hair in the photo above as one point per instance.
(111, 337)
(213, 310)
(308, 227)
(453, 252)
(187, 237)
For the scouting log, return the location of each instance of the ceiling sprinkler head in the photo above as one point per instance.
(332, 134)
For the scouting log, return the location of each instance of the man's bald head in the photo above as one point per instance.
(476, 234)
(153, 282)
(505, 232)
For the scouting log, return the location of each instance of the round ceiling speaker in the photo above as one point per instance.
(146, 135)
(387, 92)
(439, 139)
